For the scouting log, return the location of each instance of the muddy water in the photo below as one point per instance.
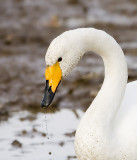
(29, 136)
(26, 29)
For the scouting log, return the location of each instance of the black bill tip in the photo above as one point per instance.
(48, 96)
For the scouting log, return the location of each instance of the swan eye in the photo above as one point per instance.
(59, 59)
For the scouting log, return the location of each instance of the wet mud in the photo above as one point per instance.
(27, 27)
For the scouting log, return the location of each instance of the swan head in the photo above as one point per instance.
(62, 56)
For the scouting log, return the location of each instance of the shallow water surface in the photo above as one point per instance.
(45, 136)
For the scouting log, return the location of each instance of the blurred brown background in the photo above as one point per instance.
(26, 29)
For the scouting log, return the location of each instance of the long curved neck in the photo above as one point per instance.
(106, 104)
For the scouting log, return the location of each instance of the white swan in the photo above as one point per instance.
(108, 130)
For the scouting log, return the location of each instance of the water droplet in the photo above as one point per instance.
(46, 127)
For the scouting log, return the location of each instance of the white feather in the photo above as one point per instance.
(108, 130)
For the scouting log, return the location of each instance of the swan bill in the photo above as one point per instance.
(48, 95)
(53, 77)
(53, 74)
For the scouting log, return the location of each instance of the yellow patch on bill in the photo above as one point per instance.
(53, 74)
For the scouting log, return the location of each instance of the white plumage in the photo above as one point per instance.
(108, 130)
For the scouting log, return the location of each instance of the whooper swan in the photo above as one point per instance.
(108, 129)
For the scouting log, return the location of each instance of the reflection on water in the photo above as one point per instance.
(29, 136)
